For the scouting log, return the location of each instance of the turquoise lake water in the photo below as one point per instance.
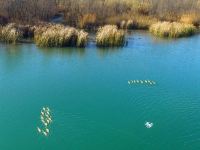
(93, 106)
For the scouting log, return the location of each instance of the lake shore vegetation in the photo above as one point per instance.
(60, 36)
(90, 13)
(10, 34)
(110, 36)
(172, 29)
(163, 18)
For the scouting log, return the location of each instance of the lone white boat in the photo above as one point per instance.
(149, 124)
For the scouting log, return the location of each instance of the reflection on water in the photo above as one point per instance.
(13, 55)
(102, 52)
(16, 55)
(63, 51)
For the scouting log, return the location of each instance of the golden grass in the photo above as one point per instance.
(10, 33)
(116, 20)
(138, 22)
(87, 20)
(60, 36)
(144, 7)
(110, 36)
(82, 39)
(190, 18)
(132, 21)
(172, 29)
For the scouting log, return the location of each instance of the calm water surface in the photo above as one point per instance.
(92, 104)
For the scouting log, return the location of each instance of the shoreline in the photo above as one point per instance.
(28, 33)
(130, 35)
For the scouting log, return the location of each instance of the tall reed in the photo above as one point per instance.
(60, 36)
(172, 29)
(10, 33)
(138, 22)
(110, 35)
(190, 18)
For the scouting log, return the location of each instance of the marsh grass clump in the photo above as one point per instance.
(60, 36)
(138, 22)
(110, 35)
(82, 39)
(10, 33)
(172, 29)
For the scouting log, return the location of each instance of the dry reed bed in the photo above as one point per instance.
(138, 22)
(13, 33)
(172, 29)
(191, 18)
(60, 36)
(110, 36)
(10, 33)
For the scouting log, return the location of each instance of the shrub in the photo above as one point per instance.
(10, 33)
(109, 35)
(172, 29)
(59, 36)
(83, 13)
